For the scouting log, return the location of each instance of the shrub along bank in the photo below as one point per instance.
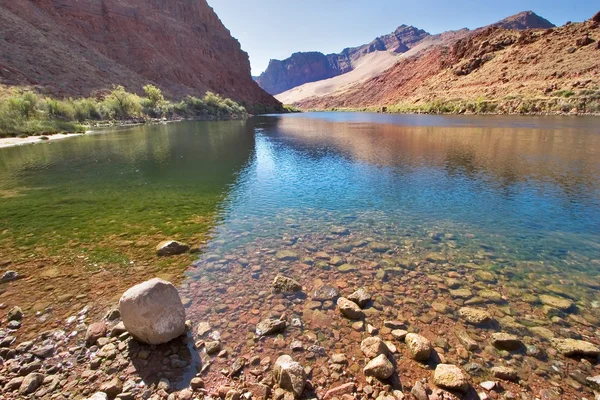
(32, 114)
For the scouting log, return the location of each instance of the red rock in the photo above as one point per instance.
(94, 332)
(347, 388)
(83, 46)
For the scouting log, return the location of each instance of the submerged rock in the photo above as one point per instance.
(505, 341)
(360, 297)
(284, 284)
(349, 308)
(270, 326)
(171, 248)
(379, 367)
(572, 347)
(286, 255)
(475, 316)
(505, 373)
(152, 312)
(556, 302)
(326, 292)
(451, 377)
(290, 375)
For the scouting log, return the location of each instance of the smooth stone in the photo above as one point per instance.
(379, 367)
(153, 312)
(450, 377)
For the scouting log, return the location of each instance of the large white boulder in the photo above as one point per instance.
(152, 312)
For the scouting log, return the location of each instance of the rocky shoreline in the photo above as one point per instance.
(335, 338)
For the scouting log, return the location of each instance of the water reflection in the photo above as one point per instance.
(532, 190)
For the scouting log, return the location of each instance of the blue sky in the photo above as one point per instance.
(277, 28)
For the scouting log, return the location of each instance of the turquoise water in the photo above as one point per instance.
(520, 188)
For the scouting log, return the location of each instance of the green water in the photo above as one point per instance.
(158, 181)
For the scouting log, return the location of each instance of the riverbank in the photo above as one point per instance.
(30, 114)
(20, 141)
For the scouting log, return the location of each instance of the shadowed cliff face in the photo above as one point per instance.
(77, 47)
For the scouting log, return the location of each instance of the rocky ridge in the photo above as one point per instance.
(491, 70)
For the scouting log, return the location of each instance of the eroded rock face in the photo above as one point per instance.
(290, 375)
(89, 45)
(152, 312)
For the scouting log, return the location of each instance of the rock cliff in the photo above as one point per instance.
(80, 47)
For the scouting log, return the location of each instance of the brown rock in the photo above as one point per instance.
(349, 308)
(94, 332)
(347, 388)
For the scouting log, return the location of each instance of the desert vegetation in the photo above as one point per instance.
(28, 113)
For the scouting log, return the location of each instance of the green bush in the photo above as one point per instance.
(120, 104)
(28, 114)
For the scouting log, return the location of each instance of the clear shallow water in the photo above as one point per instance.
(524, 189)
(519, 194)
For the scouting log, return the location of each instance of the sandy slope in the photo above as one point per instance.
(368, 67)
